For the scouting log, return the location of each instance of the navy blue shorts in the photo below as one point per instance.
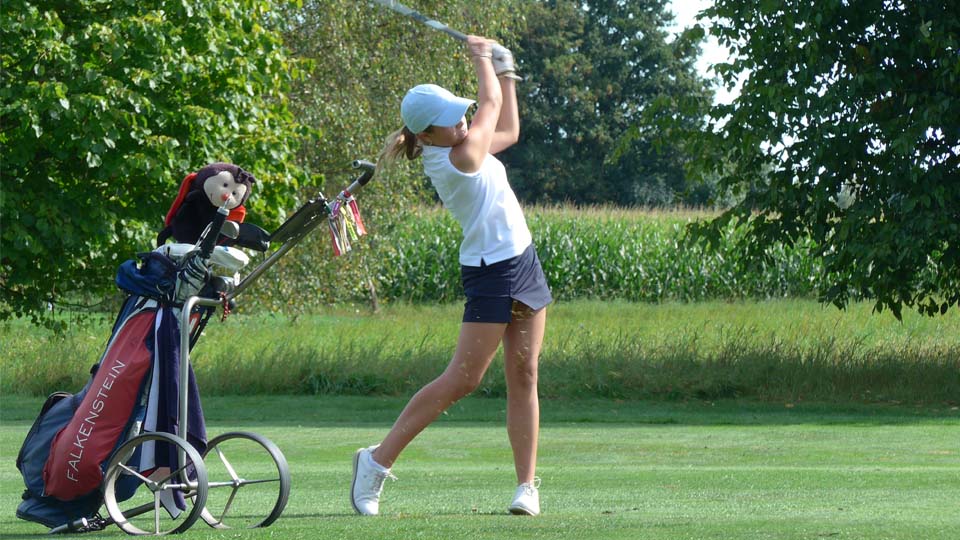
(491, 289)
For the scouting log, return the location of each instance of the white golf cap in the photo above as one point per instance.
(430, 105)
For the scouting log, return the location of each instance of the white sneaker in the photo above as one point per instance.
(368, 477)
(526, 502)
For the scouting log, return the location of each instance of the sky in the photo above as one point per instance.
(686, 11)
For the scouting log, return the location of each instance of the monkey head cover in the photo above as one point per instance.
(201, 194)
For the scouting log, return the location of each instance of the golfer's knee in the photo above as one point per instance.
(460, 385)
(522, 375)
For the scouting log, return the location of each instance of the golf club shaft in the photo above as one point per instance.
(416, 15)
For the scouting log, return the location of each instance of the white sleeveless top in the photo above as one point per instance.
(493, 226)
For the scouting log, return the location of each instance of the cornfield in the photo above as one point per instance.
(597, 253)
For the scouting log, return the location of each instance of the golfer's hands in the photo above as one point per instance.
(503, 64)
(479, 47)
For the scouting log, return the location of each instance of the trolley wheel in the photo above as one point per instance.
(161, 501)
(243, 486)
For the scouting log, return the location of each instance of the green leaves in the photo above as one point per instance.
(856, 97)
(605, 90)
(106, 106)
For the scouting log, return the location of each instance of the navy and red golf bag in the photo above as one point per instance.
(133, 388)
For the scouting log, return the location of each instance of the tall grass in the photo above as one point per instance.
(787, 350)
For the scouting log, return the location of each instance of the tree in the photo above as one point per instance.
(852, 111)
(359, 60)
(364, 58)
(598, 75)
(105, 107)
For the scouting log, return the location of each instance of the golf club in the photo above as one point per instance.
(417, 16)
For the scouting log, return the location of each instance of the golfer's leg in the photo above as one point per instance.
(521, 347)
(476, 347)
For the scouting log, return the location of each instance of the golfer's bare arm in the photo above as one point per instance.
(508, 126)
(469, 155)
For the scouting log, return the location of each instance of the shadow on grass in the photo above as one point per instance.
(316, 411)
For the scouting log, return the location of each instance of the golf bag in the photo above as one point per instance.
(133, 388)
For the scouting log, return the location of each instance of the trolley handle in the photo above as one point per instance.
(368, 170)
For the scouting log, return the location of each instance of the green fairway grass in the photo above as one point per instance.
(610, 469)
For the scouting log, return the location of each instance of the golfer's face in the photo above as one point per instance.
(448, 136)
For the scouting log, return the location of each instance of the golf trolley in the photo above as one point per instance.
(240, 479)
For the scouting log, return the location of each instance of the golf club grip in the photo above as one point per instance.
(213, 233)
(368, 170)
(459, 36)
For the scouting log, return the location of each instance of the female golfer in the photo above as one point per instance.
(502, 278)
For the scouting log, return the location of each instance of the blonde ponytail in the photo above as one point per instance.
(401, 142)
